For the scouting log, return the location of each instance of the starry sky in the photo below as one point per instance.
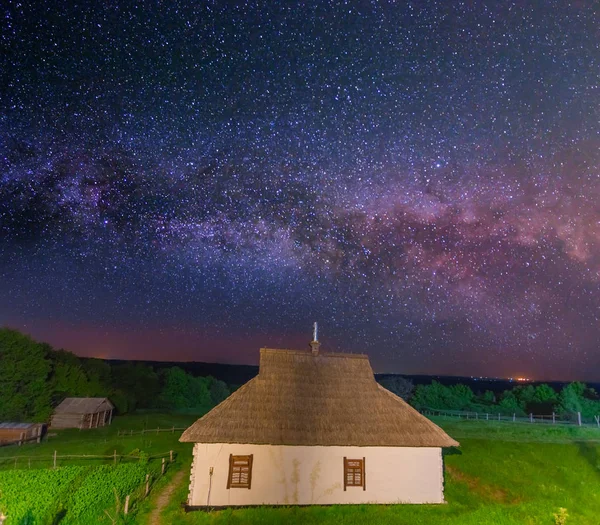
(194, 180)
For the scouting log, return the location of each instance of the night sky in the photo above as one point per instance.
(194, 180)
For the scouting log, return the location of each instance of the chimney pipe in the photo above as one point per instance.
(314, 344)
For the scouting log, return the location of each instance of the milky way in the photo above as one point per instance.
(183, 181)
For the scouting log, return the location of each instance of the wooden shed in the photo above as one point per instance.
(314, 428)
(11, 432)
(82, 412)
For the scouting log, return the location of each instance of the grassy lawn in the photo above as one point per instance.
(503, 473)
(102, 441)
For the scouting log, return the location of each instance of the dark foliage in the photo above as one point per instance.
(34, 378)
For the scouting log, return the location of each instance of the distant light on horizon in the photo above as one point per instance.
(434, 206)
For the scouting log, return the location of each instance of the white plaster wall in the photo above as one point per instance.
(286, 475)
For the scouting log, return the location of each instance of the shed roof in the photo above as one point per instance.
(327, 399)
(83, 405)
(20, 426)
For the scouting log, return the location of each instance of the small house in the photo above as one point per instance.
(314, 428)
(82, 412)
(19, 433)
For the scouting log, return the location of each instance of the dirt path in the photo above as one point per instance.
(165, 496)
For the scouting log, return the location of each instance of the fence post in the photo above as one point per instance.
(498, 416)
(553, 418)
(530, 417)
(157, 430)
(597, 418)
(476, 415)
(127, 504)
(55, 459)
(173, 429)
(514, 417)
(171, 456)
(115, 457)
(487, 417)
(131, 433)
(579, 418)
(162, 468)
(147, 485)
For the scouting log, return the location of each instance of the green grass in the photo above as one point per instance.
(101, 441)
(503, 474)
(522, 432)
(37, 458)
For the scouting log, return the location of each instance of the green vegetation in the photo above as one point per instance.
(103, 441)
(104, 488)
(34, 378)
(81, 490)
(38, 495)
(521, 400)
(503, 474)
(75, 495)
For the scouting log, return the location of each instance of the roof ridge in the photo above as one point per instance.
(308, 353)
(301, 399)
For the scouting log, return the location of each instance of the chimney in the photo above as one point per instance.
(314, 344)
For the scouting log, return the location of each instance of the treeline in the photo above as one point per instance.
(34, 378)
(520, 400)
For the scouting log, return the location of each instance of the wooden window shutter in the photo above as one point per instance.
(354, 473)
(240, 472)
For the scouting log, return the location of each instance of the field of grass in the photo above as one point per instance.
(503, 473)
(101, 441)
(82, 490)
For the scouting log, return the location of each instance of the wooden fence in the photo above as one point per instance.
(55, 460)
(552, 419)
(145, 431)
(140, 493)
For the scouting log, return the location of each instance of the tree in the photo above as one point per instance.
(138, 382)
(399, 385)
(218, 390)
(544, 394)
(509, 404)
(68, 377)
(488, 397)
(99, 375)
(184, 391)
(461, 397)
(24, 373)
(571, 398)
(175, 390)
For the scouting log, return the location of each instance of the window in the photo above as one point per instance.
(240, 472)
(354, 473)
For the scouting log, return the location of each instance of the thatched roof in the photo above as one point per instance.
(326, 399)
(83, 405)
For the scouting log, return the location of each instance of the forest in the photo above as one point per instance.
(34, 378)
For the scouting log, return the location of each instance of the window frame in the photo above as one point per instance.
(238, 457)
(348, 470)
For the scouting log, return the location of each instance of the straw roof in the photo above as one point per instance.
(325, 399)
(83, 405)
